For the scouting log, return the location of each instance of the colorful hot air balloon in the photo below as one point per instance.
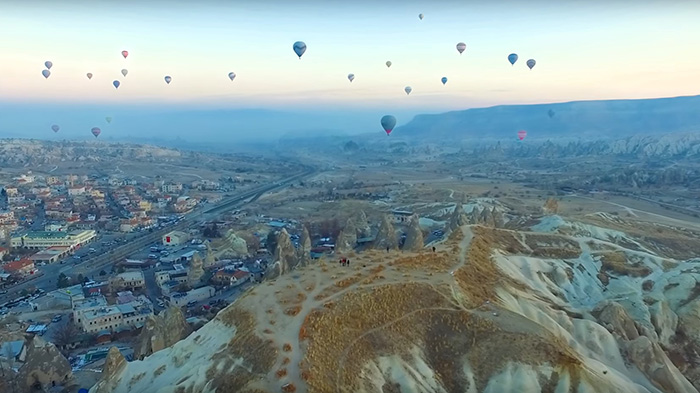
(388, 123)
(46, 73)
(125, 53)
(461, 47)
(299, 48)
(351, 77)
(168, 79)
(444, 80)
(531, 63)
(125, 71)
(522, 134)
(408, 90)
(116, 84)
(89, 75)
(55, 128)
(96, 131)
(109, 120)
(388, 64)
(232, 75)
(420, 16)
(512, 58)
(550, 113)
(48, 65)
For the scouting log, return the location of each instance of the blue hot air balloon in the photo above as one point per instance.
(388, 123)
(168, 79)
(46, 74)
(444, 80)
(299, 48)
(531, 63)
(512, 58)
(116, 84)
(48, 64)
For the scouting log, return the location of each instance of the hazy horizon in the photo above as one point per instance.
(584, 51)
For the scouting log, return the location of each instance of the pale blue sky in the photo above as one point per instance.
(599, 50)
(584, 50)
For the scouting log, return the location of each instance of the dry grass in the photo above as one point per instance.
(617, 263)
(258, 355)
(292, 311)
(289, 388)
(426, 261)
(159, 371)
(479, 277)
(281, 373)
(287, 347)
(334, 330)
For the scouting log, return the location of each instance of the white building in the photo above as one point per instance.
(175, 238)
(43, 240)
(94, 315)
(128, 281)
(181, 299)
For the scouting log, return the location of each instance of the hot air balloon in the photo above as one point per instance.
(522, 135)
(388, 64)
(96, 131)
(420, 16)
(168, 79)
(125, 53)
(444, 80)
(48, 65)
(55, 128)
(109, 120)
(512, 58)
(125, 71)
(232, 75)
(46, 73)
(550, 113)
(531, 63)
(461, 47)
(116, 84)
(299, 48)
(388, 123)
(89, 75)
(351, 77)
(408, 90)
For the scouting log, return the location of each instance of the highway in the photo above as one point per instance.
(92, 266)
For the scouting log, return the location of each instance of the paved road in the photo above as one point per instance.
(139, 240)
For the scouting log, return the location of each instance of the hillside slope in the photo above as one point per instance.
(580, 119)
(550, 306)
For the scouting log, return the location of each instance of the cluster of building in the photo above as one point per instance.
(88, 202)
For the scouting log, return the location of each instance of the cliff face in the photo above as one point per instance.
(44, 365)
(285, 254)
(414, 235)
(111, 373)
(230, 246)
(386, 236)
(362, 225)
(161, 331)
(347, 238)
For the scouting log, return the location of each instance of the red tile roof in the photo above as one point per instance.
(17, 265)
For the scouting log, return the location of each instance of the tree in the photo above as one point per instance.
(66, 333)
(63, 281)
(80, 279)
(271, 241)
(103, 273)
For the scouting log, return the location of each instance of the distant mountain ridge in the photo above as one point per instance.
(584, 119)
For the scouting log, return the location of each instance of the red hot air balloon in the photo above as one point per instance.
(125, 53)
(522, 134)
(96, 132)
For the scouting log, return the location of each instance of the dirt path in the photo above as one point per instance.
(281, 306)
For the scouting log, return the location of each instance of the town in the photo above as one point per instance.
(87, 261)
